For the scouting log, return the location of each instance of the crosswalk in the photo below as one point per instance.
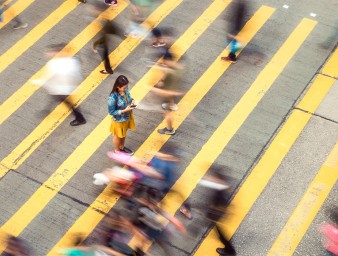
(211, 106)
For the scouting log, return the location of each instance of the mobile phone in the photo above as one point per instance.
(133, 105)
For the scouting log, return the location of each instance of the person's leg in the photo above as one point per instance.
(124, 148)
(228, 248)
(79, 119)
(169, 119)
(105, 57)
(19, 23)
(233, 49)
(117, 143)
(122, 143)
(169, 130)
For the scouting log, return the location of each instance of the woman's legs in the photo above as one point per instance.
(122, 143)
(117, 143)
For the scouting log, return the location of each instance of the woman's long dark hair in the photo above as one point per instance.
(121, 81)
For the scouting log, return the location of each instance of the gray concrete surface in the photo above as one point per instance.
(256, 234)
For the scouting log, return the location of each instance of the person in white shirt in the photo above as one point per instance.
(61, 78)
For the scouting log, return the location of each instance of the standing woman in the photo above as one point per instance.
(120, 106)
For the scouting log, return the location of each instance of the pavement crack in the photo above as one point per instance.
(323, 74)
(317, 115)
(177, 248)
(58, 192)
(40, 138)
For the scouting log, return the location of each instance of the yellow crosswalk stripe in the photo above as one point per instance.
(268, 164)
(14, 10)
(19, 97)
(60, 113)
(331, 68)
(215, 145)
(104, 202)
(36, 33)
(49, 189)
(308, 207)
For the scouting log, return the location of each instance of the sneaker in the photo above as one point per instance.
(127, 151)
(77, 122)
(172, 107)
(232, 60)
(20, 25)
(158, 44)
(221, 251)
(166, 131)
(111, 3)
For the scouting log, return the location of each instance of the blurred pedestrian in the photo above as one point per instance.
(218, 196)
(63, 74)
(236, 24)
(152, 220)
(16, 247)
(78, 248)
(157, 38)
(120, 107)
(18, 22)
(329, 230)
(169, 84)
(139, 11)
(101, 44)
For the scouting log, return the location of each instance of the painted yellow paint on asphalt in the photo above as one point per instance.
(60, 113)
(331, 67)
(228, 128)
(49, 189)
(36, 33)
(91, 217)
(270, 161)
(14, 10)
(19, 97)
(312, 96)
(308, 207)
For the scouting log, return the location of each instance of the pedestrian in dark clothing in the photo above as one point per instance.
(101, 44)
(16, 247)
(236, 25)
(217, 205)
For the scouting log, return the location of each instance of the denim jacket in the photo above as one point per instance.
(116, 103)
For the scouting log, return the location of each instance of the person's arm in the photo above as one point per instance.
(166, 93)
(134, 8)
(178, 224)
(112, 106)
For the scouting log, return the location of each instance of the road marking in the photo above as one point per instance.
(308, 207)
(14, 10)
(36, 33)
(50, 188)
(15, 101)
(104, 202)
(60, 113)
(270, 161)
(331, 67)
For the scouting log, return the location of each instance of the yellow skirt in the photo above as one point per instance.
(120, 129)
